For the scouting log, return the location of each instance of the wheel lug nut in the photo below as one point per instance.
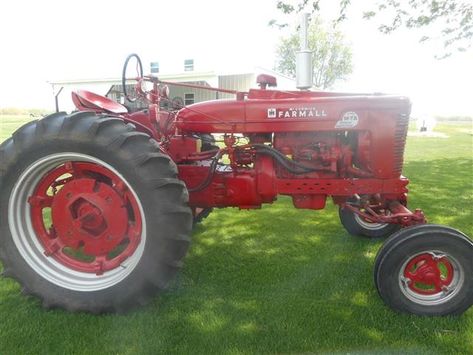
(446, 289)
(406, 280)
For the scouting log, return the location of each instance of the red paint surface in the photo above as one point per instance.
(426, 276)
(91, 211)
(354, 141)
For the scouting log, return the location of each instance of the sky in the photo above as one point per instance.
(51, 40)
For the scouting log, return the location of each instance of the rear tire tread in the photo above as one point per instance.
(168, 193)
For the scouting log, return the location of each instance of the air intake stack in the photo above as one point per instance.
(304, 57)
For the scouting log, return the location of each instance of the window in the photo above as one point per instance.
(189, 65)
(189, 99)
(154, 67)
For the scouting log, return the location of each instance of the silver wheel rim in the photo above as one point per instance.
(30, 247)
(437, 298)
(368, 225)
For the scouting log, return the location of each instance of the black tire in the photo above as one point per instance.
(388, 243)
(148, 173)
(448, 245)
(357, 227)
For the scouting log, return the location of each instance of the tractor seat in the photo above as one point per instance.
(86, 100)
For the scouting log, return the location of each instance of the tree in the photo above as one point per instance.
(331, 56)
(449, 21)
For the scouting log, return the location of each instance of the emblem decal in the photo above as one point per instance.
(349, 120)
(271, 113)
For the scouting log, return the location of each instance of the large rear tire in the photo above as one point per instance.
(426, 270)
(93, 217)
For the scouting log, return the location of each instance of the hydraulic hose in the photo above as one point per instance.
(208, 179)
(290, 165)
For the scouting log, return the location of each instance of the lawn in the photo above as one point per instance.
(275, 280)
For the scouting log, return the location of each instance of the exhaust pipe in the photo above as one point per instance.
(304, 57)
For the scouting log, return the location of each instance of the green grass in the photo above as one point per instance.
(275, 280)
(9, 123)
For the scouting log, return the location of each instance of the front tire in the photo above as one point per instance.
(93, 217)
(426, 270)
(358, 226)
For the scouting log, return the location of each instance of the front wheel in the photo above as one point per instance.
(359, 226)
(426, 270)
(94, 218)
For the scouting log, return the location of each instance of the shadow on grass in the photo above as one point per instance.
(443, 188)
(275, 280)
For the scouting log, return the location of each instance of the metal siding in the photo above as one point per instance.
(199, 94)
(240, 82)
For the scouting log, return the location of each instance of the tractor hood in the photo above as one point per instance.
(267, 111)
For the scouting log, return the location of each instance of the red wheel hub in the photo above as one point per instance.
(96, 221)
(89, 213)
(429, 274)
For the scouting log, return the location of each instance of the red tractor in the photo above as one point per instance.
(97, 206)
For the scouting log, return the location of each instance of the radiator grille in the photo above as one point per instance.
(400, 142)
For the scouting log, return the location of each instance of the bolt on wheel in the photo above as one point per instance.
(358, 225)
(426, 270)
(366, 224)
(96, 219)
(431, 278)
(74, 215)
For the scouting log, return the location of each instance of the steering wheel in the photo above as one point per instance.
(139, 71)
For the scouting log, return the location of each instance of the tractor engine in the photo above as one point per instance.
(330, 155)
(308, 145)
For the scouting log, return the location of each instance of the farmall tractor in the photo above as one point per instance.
(97, 206)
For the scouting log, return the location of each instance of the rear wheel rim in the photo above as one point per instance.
(431, 278)
(107, 225)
